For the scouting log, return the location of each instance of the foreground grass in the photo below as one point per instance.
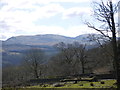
(82, 84)
(69, 85)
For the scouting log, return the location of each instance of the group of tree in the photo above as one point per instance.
(71, 59)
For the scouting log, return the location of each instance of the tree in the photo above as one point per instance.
(119, 50)
(105, 47)
(101, 60)
(80, 54)
(72, 56)
(66, 58)
(14, 76)
(104, 13)
(34, 59)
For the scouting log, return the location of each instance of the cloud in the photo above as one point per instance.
(30, 11)
(48, 11)
(71, 31)
(6, 35)
(78, 30)
(76, 11)
(17, 17)
(2, 37)
(73, 1)
(16, 2)
(114, 1)
(4, 26)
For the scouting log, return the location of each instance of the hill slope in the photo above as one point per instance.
(14, 48)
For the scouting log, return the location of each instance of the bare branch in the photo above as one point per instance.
(101, 31)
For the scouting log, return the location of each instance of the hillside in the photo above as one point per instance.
(48, 39)
(14, 48)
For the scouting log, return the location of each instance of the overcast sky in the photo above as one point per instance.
(32, 17)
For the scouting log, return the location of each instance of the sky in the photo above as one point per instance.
(34, 17)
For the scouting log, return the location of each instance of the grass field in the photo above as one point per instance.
(81, 84)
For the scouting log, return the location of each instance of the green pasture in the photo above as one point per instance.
(81, 84)
(104, 84)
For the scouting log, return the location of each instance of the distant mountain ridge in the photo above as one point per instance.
(47, 39)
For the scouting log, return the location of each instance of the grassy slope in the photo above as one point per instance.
(83, 84)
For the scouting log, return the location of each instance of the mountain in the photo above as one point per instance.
(48, 39)
(14, 48)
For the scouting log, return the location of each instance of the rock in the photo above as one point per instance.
(57, 85)
(43, 85)
(75, 82)
(81, 84)
(91, 84)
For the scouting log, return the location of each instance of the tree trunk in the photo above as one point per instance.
(36, 72)
(115, 52)
(83, 69)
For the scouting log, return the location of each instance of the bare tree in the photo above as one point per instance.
(80, 54)
(34, 59)
(73, 55)
(104, 45)
(104, 13)
(66, 57)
